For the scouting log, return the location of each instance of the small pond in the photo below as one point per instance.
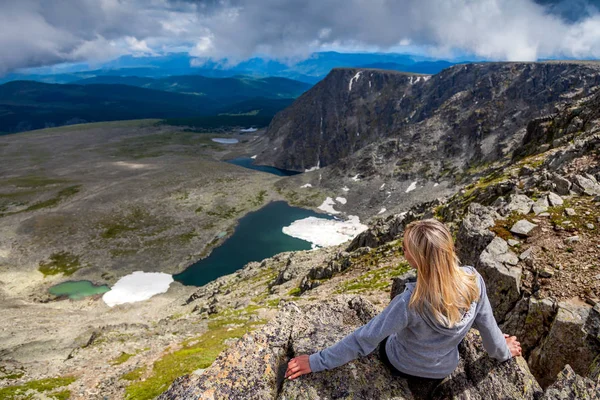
(248, 162)
(77, 290)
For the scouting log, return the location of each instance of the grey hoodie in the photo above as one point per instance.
(417, 345)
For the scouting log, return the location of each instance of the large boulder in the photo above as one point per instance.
(502, 278)
(530, 321)
(474, 234)
(571, 340)
(254, 367)
(518, 203)
(587, 185)
(570, 386)
(382, 231)
(399, 283)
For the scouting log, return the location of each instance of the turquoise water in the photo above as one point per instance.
(247, 162)
(257, 236)
(77, 290)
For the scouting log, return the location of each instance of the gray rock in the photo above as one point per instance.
(570, 212)
(473, 234)
(571, 340)
(399, 283)
(530, 321)
(544, 214)
(541, 205)
(555, 200)
(572, 239)
(569, 385)
(587, 185)
(513, 242)
(562, 184)
(518, 203)
(522, 227)
(526, 254)
(546, 273)
(590, 226)
(253, 368)
(503, 282)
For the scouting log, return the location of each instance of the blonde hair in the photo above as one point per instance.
(443, 288)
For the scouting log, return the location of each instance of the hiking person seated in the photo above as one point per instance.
(418, 333)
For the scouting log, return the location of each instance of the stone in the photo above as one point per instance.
(541, 205)
(572, 239)
(544, 214)
(518, 203)
(530, 321)
(526, 254)
(588, 186)
(473, 234)
(571, 340)
(569, 385)
(546, 273)
(513, 242)
(399, 283)
(562, 184)
(503, 281)
(570, 212)
(555, 200)
(523, 227)
(590, 226)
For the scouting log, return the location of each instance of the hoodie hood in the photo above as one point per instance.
(462, 327)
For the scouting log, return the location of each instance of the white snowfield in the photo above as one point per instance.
(138, 286)
(412, 187)
(324, 232)
(254, 157)
(346, 189)
(308, 185)
(382, 211)
(248, 130)
(225, 141)
(356, 178)
(327, 206)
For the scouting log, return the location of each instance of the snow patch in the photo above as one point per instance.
(138, 286)
(346, 189)
(308, 185)
(341, 200)
(325, 232)
(254, 157)
(354, 79)
(381, 187)
(225, 141)
(131, 165)
(436, 184)
(381, 211)
(327, 206)
(412, 187)
(248, 130)
(355, 178)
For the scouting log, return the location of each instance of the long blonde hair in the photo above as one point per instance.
(443, 288)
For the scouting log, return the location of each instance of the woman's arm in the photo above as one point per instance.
(494, 341)
(359, 343)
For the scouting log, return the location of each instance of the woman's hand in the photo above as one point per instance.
(298, 366)
(513, 345)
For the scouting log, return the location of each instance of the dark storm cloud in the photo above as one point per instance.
(40, 32)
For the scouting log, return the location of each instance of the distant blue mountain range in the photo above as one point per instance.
(310, 70)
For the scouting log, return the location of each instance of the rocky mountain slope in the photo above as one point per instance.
(529, 222)
(529, 226)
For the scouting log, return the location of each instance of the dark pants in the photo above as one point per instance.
(417, 384)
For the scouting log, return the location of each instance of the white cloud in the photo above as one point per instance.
(38, 32)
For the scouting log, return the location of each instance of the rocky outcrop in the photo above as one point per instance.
(253, 367)
(382, 231)
(570, 386)
(474, 233)
(572, 340)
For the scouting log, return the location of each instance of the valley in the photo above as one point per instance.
(486, 148)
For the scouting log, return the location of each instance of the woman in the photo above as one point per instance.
(419, 331)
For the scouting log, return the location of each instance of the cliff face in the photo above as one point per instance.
(465, 114)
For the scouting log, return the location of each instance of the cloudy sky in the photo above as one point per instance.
(46, 32)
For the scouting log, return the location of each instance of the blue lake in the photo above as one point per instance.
(248, 162)
(258, 236)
